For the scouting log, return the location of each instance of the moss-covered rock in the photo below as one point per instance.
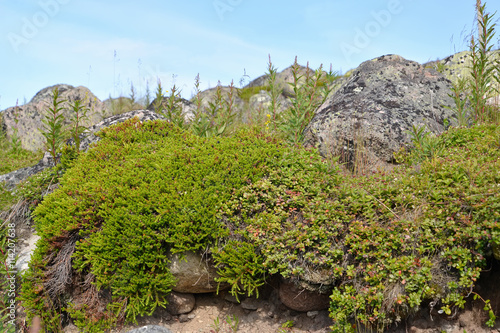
(457, 65)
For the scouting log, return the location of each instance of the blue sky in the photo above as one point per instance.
(107, 45)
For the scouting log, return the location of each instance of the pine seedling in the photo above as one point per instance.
(15, 141)
(226, 118)
(457, 91)
(158, 102)
(221, 111)
(482, 68)
(308, 97)
(53, 130)
(200, 122)
(132, 96)
(79, 115)
(173, 111)
(147, 97)
(274, 93)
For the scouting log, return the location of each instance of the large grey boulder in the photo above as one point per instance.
(208, 96)
(262, 101)
(27, 119)
(376, 106)
(457, 65)
(46, 93)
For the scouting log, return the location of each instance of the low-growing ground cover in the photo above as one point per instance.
(380, 244)
(146, 190)
(383, 243)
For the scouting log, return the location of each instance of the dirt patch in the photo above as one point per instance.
(270, 316)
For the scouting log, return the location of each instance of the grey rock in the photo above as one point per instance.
(458, 64)
(27, 119)
(299, 299)
(46, 93)
(372, 111)
(150, 329)
(179, 303)
(283, 80)
(25, 253)
(252, 303)
(193, 273)
(88, 138)
(208, 96)
(188, 108)
(13, 178)
(231, 298)
(262, 101)
(184, 318)
(312, 314)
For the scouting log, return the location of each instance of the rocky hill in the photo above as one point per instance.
(150, 210)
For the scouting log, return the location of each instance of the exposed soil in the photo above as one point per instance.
(269, 317)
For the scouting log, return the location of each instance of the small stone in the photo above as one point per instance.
(251, 304)
(231, 298)
(183, 318)
(179, 303)
(312, 314)
(150, 329)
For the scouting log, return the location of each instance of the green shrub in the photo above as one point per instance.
(53, 129)
(310, 90)
(384, 243)
(146, 190)
(483, 70)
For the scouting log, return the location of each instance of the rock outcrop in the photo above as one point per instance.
(188, 108)
(456, 65)
(283, 80)
(27, 119)
(15, 177)
(370, 114)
